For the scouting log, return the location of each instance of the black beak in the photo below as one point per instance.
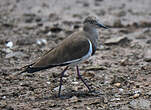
(102, 26)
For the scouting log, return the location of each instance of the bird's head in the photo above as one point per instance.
(93, 22)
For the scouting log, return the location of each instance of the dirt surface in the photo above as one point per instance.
(119, 72)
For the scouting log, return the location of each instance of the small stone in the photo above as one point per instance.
(16, 54)
(74, 99)
(121, 13)
(3, 104)
(30, 26)
(137, 91)
(124, 62)
(117, 84)
(149, 93)
(53, 17)
(38, 19)
(88, 108)
(121, 90)
(136, 95)
(29, 17)
(4, 97)
(116, 40)
(49, 33)
(25, 41)
(9, 44)
(48, 82)
(148, 41)
(57, 88)
(56, 29)
(124, 107)
(86, 4)
(9, 108)
(95, 68)
(140, 104)
(88, 74)
(147, 55)
(115, 99)
(75, 83)
(76, 26)
(44, 41)
(75, 88)
(118, 79)
(41, 41)
(118, 23)
(8, 24)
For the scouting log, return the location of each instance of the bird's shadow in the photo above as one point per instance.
(79, 94)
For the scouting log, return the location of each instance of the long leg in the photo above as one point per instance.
(62, 74)
(82, 78)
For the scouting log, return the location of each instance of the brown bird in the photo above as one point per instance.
(76, 48)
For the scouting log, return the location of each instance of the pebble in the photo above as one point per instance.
(95, 68)
(53, 17)
(116, 40)
(137, 91)
(115, 99)
(88, 108)
(57, 88)
(25, 41)
(3, 104)
(147, 55)
(136, 95)
(30, 26)
(121, 13)
(56, 29)
(41, 41)
(15, 54)
(9, 44)
(88, 74)
(149, 93)
(75, 83)
(124, 62)
(29, 17)
(121, 90)
(117, 84)
(74, 99)
(48, 82)
(118, 23)
(4, 97)
(49, 33)
(140, 104)
(148, 41)
(118, 79)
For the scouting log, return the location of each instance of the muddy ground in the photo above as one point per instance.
(119, 72)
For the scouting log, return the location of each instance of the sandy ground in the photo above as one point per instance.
(119, 72)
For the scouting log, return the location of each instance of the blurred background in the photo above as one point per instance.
(120, 69)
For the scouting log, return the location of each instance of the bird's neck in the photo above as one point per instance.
(92, 34)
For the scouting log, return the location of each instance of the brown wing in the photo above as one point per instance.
(72, 48)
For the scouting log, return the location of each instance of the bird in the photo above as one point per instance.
(72, 51)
